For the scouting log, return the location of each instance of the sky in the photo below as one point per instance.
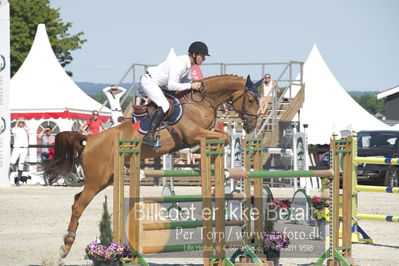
(358, 39)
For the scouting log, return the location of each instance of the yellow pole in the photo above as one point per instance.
(375, 217)
(360, 188)
(371, 160)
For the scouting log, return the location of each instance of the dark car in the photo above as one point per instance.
(380, 144)
(375, 143)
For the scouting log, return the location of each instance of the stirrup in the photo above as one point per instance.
(157, 145)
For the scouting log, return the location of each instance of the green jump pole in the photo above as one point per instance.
(185, 224)
(170, 199)
(183, 247)
(189, 198)
(170, 173)
(375, 217)
(377, 189)
(277, 174)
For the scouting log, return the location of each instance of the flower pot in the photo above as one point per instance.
(272, 255)
(106, 263)
(322, 229)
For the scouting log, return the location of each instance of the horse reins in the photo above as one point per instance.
(241, 113)
(244, 113)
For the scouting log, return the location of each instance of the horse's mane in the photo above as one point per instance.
(220, 76)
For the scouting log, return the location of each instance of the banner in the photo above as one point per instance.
(300, 150)
(4, 93)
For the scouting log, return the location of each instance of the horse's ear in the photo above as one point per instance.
(257, 84)
(250, 84)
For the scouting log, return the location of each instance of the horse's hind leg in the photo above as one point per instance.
(81, 201)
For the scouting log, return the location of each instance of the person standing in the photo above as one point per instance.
(114, 94)
(94, 124)
(173, 74)
(21, 143)
(47, 139)
(267, 95)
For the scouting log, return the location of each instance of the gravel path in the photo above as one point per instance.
(34, 219)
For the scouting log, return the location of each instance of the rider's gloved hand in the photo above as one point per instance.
(196, 85)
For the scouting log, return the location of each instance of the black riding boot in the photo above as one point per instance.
(156, 121)
(18, 178)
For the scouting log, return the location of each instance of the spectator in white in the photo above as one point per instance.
(266, 94)
(170, 74)
(21, 143)
(47, 139)
(114, 94)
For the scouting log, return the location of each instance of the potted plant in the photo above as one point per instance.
(321, 212)
(283, 208)
(106, 252)
(273, 242)
(110, 255)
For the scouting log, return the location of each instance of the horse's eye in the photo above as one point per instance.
(250, 100)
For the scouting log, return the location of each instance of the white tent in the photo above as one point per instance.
(42, 89)
(328, 107)
(42, 92)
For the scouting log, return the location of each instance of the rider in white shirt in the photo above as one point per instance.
(20, 150)
(174, 75)
(114, 94)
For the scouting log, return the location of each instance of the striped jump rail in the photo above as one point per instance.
(236, 173)
(376, 217)
(377, 189)
(272, 150)
(372, 160)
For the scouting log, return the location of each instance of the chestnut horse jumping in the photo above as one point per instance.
(95, 153)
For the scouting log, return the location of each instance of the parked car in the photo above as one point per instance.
(380, 144)
(375, 143)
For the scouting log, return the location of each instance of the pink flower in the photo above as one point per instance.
(113, 252)
(316, 199)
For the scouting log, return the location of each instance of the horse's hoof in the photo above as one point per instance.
(64, 251)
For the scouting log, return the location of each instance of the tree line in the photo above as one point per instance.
(25, 15)
(370, 103)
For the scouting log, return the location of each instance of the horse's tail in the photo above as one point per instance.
(68, 149)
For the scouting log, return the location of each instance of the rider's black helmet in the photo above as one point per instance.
(198, 48)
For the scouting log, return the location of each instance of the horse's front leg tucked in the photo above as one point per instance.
(209, 134)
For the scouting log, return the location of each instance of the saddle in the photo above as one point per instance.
(150, 108)
(144, 113)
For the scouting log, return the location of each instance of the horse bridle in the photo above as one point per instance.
(243, 113)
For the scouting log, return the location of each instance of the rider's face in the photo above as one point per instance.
(200, 58)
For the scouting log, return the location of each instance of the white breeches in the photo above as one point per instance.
(20, 153)
(115, 115)
(154, 92)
